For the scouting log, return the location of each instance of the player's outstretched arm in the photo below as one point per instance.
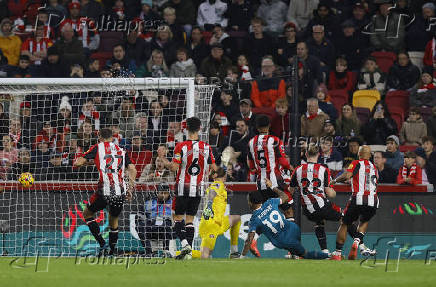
(247, 243)
(279, 192)
(171, 165)
(343, 177)
(80, 161)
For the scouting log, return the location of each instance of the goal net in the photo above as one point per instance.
(46, 124)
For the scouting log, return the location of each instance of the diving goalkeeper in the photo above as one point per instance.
(214, 223)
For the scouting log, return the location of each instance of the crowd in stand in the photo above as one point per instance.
(341, 46)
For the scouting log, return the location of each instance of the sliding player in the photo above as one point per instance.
(214, 223)
(362, 205)
(191, 161)
(110, 161)
(266, 155)
(269, 220)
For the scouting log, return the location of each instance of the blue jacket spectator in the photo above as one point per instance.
(394, 158)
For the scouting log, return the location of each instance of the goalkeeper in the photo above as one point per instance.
(214, 223)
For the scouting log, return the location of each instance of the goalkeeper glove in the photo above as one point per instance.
(208, 211)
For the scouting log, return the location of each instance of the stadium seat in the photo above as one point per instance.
(363, 114)
(384, 60)
(270, 112)
(366, 98)
(397, 115)
(426, 112)
(416, 59)
(109, 39)
(398, 99)
(338, 98)
(406, 148)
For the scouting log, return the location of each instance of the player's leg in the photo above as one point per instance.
(321, 235)
(208, 240)
(350, 215)
(235, 225)
(97, 203)
(113, 232)
(366, 214)
(179, 219)
(295, 246)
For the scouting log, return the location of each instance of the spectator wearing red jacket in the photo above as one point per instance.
(341, 78)
(410, 173)
(138, 154)
(280, 121)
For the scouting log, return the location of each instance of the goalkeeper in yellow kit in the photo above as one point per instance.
(214, 223)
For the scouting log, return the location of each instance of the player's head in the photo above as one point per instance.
(312, 152)
(255, 200)
(193, 125)
(106, 134)
(219, 174)
(263, 123)
(365, 152)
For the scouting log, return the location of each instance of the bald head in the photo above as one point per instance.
(365, 152)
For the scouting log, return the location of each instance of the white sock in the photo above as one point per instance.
(291, 219)
(256, 236)
(357, 240)
(233, 248)
(184, 243)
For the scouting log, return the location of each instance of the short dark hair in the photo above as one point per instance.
(105, 133)
(255, 197)
(427, 139)
(193, 124)
(262, 121)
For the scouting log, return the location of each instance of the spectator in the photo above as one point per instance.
(211, 12)
(410, 173)
(273, 13)
(287, 46)
(163, 41)
(329, 155)
(48, 134)
(4, 68)
(245, 112)
(413, 128)
(312, 122)
(300, 12)
(93, 68)
(10, 44)
(423, 94)
(431, 124)
(348, 124)
(155, 67)
(216, 64)
(244, 68)
(120, 61)
(89, 112)
(426, 158)
(91, 9)
(86, 136)
(117, 11)
(138, 154)
(117, 135)
(329, 129)
(341, 78)
(155, 172)
(386, 174)
(321, 48)
(184, 67)
(148, 15)
(388, 29)
(220, 36)
(227, 108)
(267, 89)
(239, 141)
(22, 70)
(324, 16)
(418, 34)
(28, 125)
(51, 67)
(311, 71)
(56, 9)
(174, 134)
(240, 88)
(216, 140)
(380, 125)
(394, 158)
(70, 48)
(15, 132)
(185, 13)
(403, 75)
(84, 28)
(41, 158)
(156, 121)
(258, 45)
(141, 126)
(360, 18)
(240, 13)
(280, 121)
(169, 15)
(126, 116)
(196, 46)
(371, 77)
(352, 151)
(36, 47)
(4, 120)
(22, 165)
(324, 103)
(136, 47)
(429, 54)
(8, 156)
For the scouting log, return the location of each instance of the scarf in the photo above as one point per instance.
(405, 172)
(184, 64)
(311, 117)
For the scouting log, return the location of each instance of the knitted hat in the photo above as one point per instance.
(65, 104)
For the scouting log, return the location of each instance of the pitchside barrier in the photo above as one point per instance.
(47, 219)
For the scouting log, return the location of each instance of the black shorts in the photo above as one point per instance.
(354, 212)
(186, 205)
(98, 202)
(328, 212)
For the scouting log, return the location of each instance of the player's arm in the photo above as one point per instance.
(87, 156)
(170, 165)
(283, 197)
(247, 243)
(80, 161)
(131, 171)
(329, 191)
(208, 211)
(283, 160)
(342, 178)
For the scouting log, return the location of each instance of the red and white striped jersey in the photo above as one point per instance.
(312, 179)
(364, 182)
(194, 158)
(111, 161)
(85, 29)
(32, 45)
(266, 155)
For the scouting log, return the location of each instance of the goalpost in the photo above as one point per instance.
(45, 124)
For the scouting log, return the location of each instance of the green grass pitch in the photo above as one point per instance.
(215, 272)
